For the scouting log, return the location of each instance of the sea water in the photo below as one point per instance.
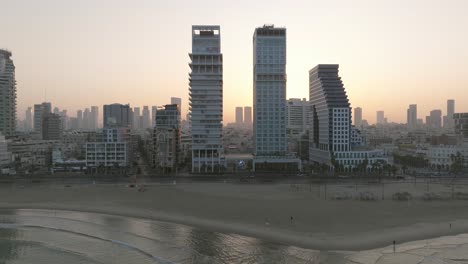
(49, 236)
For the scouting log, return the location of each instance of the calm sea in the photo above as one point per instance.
(48, 236)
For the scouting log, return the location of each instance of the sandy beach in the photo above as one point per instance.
(265, 210)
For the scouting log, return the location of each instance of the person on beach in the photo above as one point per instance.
(292, 219)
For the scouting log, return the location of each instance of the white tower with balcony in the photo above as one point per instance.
(206, 99)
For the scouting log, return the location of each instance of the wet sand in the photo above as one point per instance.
(265, 210)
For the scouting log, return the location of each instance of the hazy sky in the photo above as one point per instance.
(92, 52)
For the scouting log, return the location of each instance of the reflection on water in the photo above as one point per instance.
(43, 236)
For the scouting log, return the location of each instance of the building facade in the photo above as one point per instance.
(449, 123)
(297, 117)
(412, 116)
(333, 141)
(52, 127)
(40, 111)
(5, 156)
(239, 115)
(358, 117)
(111, 149)
(380, 118)
(145, 118)
(206, 99)
(461, 124)
(269, 99)
(248, 115)
(118, 115)
(28, 121)
(167, 138)
(7, 94)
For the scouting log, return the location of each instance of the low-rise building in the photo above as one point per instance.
(5, 155)
(111, 149)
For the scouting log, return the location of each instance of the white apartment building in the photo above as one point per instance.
(206, 99)
(111, 149)
(441, 155)
(297, 116)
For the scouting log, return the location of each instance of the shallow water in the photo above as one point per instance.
(48, 236)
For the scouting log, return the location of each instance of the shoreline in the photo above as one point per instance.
(349, 235)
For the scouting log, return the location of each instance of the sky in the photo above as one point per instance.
(93, 52)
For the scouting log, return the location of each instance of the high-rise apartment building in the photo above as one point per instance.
(94, 120)
(239, 115)
(79, 119)
(358, 117)
(248, 115)
(434, 120)
(7, 94)
(331, 135)
(117, 115)
(380, 118)
(206, 99)
(136, 118)
(87, 119)
(412, 116)
(449, 123)
(154, 110)
(40, 111)
(28, 120)
(269, 102)
(145, 117)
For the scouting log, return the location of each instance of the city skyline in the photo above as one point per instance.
(392, 49)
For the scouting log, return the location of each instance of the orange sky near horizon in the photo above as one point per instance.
(391, 53)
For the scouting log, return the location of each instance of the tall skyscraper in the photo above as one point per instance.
(28, 123)
(7, 94)
(239, 115)
(40, 111)
(145, 117)
(154, 110)
(136, 118)
(117, 115)
(206, 99)
(358, 117)
(412, 116)
(450, 112)
(79, 119)
(94, 120)
(248, 115)
(86, 119)
(380, 117)
(434, 120)
(269, 102)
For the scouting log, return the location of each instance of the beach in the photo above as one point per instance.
(297, 215)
